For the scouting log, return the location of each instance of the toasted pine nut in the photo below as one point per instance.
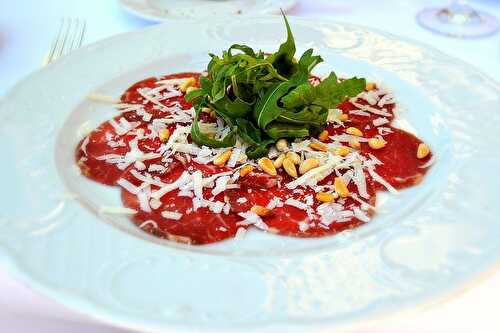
(213, 114)
(354, 131)
(290, 168)
(342, 151)
(164, 134)
(308, 165)
(261, 211)
(325, 197)
(191, 89)
(294, 157)
(376, 143)
(340, 187)
(370, 86)
(323, 136)
(267, 166)
(206, 110)
(189, 82)
(282, 145)
(423, 151)
(222, 159)
(355, 144)
(242, 158)
(246, 170)
(318, 147)
(343, 117)
(278, 162)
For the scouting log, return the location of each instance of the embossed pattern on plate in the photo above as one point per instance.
(161, 10)
(51, 241)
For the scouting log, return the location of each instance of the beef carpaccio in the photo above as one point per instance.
(310, 187)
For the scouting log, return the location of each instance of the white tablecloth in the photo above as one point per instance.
(26, 30)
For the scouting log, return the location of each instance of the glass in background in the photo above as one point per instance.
(458, 20)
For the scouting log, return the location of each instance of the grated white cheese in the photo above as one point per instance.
(360, 215)
(303, 226)
(315, 175)
(171, 215)
(380, 121)
(251, 218)
(296, 204)
(240, 233)
(101, 98)
(148, 222)
(112, 210)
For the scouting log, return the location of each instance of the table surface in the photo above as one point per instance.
(28, 26)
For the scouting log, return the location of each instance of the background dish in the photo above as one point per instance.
(161, 10)
(375, 270)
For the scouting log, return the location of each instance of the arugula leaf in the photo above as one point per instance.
(264, 98)
(283, 60)
(310, 115)
(278, 130)
(248, 132)
(304, 94)
(347, 89)
(202, 139)
(267, 109)
(259, 150)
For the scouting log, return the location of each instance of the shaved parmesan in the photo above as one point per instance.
(251, 218)
(101, 98)
(112, 210)
(171, 215)
(296, 204)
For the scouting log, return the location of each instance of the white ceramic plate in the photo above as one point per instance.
(430, 241)
(161, 10)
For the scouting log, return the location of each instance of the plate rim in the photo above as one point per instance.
(12, 267)
(289, 4)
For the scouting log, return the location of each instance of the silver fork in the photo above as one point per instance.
(69, 37)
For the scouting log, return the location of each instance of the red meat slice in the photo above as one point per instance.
(286, 220)
(400, 167)
(195, 227)
(97, 145)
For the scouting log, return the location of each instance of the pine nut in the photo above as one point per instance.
(308, 165)
(376, 143)
(355, 144)
(423, 151)
(323, 136)
(246, 170)
(282, 145)
(267, 166)
(325, 197)
(278, 162)
(261, 211)
(340, 187)
(189, 82)
(370, 86)
(290, 168)
(342, 151)
(222, 159)
(354, 131)
(164, 134)
(318, 147)
(294, 157)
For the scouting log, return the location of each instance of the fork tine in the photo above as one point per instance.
(69, 37)
(64, 43)
(82, 33)
(78, 35)
(55, 43)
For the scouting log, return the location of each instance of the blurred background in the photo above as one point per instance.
(466, 30)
